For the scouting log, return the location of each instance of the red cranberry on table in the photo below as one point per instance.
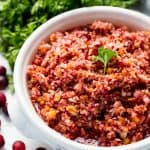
(2, 70)
(2, 99)
(5, 110)
(18, 145)
(2, 141)
(3, 82)
(40, 148)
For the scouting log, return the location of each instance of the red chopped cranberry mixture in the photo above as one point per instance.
(72, 94)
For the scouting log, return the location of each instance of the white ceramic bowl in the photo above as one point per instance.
(23, 115)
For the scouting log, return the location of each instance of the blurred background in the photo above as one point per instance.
(143, 6)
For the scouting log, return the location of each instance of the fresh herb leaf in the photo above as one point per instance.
(19, 18)
(105, 55)
(120, 3)
(11, 84)
(117, 3)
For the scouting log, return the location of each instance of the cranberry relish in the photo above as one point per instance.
(74, 97)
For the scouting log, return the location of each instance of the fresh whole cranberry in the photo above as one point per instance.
(2, 141)
(5, 110)
(3, 82)
(2, 100)
(40, 148)
(2, 70)
(18, 145)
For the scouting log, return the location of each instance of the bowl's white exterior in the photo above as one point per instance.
(23, 114)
